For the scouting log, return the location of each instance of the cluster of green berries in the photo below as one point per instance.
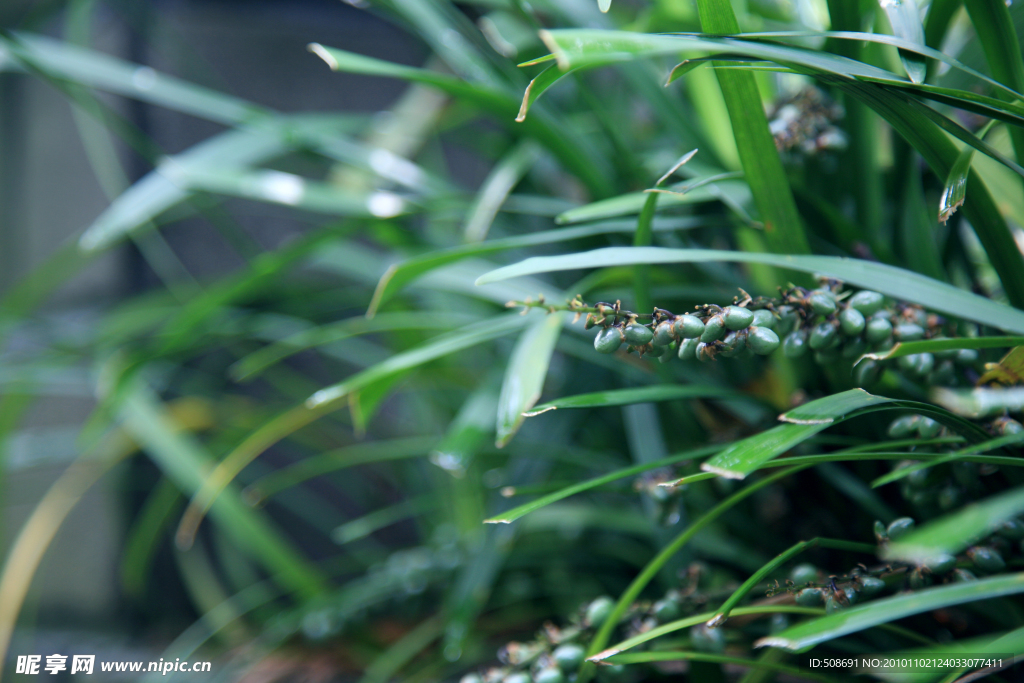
(811, 588)
(827, 322)
(712, 331)
(555, 656)
(934, 490)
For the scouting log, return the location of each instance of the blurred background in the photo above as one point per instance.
(196, 215)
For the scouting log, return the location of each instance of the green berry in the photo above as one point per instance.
(688, 327)
(809, 597)
(804, 573)
(880, 533)
(670, 353)
(1012, 529)
(737, 318)
(924, 363)
(764, 318)
(517, 677)
(967, 356)
(608, 340)
(471, 678)
(779, 623)
(704, 639)
(823, 336)
(900, 527)
(734, 344)
(762, 340)
(832, 605)
(877, 330)
(866, 373)
(908, 332)
(551, 674)
(867, 302)
(688, 349)
(795, 344)
(569, 657)
(638, 335)
(941, 564)
(963, 576)
(1007, 426)
(950, 497)
(928, 428)
(851, 595)
(822, 303)
(854, 348)
(871, 586)
(611, 672)
(851, 322)
(903, 427)
(919, 579)
(704, 352)
(663, 334)
(666, 610)
(788, 320)
(986, 559)
(599, 610)
(714, 329)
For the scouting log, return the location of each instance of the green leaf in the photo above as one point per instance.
(525, 373)
(517, 512)
(935, 345)
(750, 454)
(401, 274)
(886, 610)
(955, 190)
(890, 280)
(463, 338)
(561, 140)
(762, 165)
(538, 86)
(253, 364)
(983, 447)
(64, 61)
(724, 187)
(623, 397)
(496, 187)
(604, 5)
(906, 24)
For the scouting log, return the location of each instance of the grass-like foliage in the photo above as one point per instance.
(735, 287)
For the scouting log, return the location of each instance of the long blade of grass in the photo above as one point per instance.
(257, 361)
(991, 445)
(496, 187)
(562, 141)
(762, 166)
(540, 83)
(761, 574)
(957, 530)
(624, 397)
(748, 455)
(399, 275)
(890, 280)
(524, 375)
(724, 187)
(906, 23)
(652, 568)
(998, 38)
(886, 610)
(937, 345)
(517, 512)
